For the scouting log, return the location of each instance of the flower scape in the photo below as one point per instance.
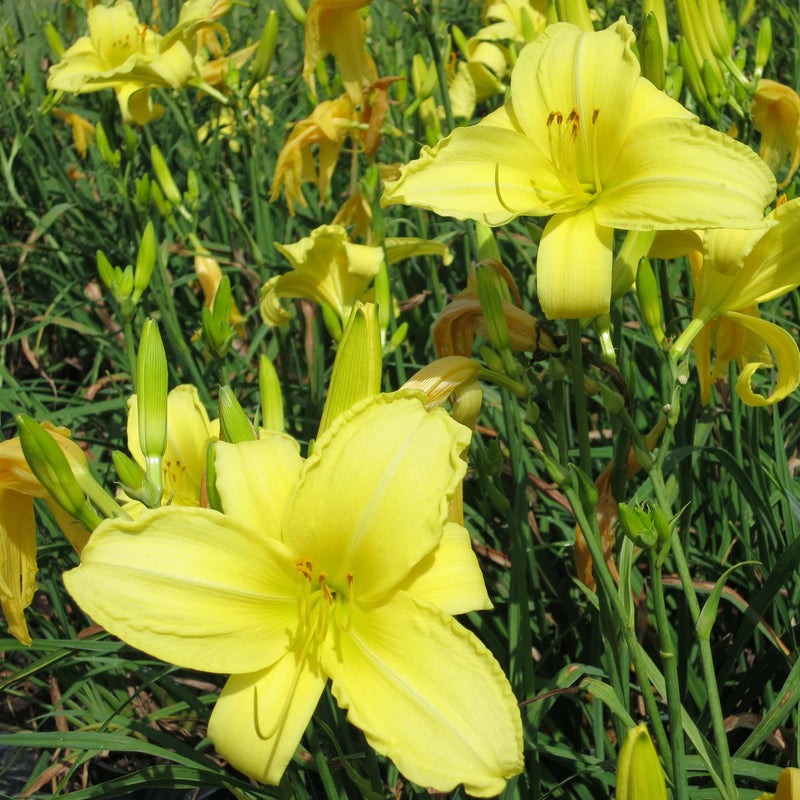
(399, 400)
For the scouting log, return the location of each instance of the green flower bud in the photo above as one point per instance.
(52, 469)
(576, 12)
(639, 772)
(487, 244)
(691, 72)
(638, 526)
(526, 22)
(151, 390)
(532, 412)
(399, 336)
(763, 46)
(212, 495)
(111, 157)
(296, 10)
(711, 82)
(271, 396)
(105, 270)
(357, 367)
(651, 51)
(612, 399)
(192, 193)
(145, 262)
(490, 295)
(664, 534)
(54, 40)
(141, 196)
(649, 300)
(131, 142)
(383, 298)
(164, 176)
(234, 424)
(557, 473)
(131, 475)
(218, 333)
(160, 202)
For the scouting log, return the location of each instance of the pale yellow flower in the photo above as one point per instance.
(776, 115)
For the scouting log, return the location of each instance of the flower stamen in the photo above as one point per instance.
(563, 139)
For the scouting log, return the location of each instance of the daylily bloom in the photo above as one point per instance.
(479, 77)
(336, 26)
(327, 268)
(327, 127)
(209, 274)
(586, 139)
(639, 772)
(517, 20)
(189, 431)
(776, 115)
(82, 129)
(343, 567)
(788, 787)
(737, 270)
(18, 487)
(123, 54)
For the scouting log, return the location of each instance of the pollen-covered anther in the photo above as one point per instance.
(323, 577)
(304, 567)
(575, 118)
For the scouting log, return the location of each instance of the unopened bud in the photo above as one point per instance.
(576, 12)
(356, 370)
(111, 157)
(691, 72)
(145, 262)
(54, 40)
(651, 51)
(151, 392)
(131, 475)
(141, 196)
(234, 424)
(164, 176)
(130, 142)
(763, 46)
(52, 469)
(649, 300)
(639, 772)
(296, 10)
(638, 526)
(105, 270)
(487, 244)
(271, 396)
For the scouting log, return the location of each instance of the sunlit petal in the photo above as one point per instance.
(192, 587)
(372, 499)
(17, 560)
(573, 270)
(259, 718)
(428, 695)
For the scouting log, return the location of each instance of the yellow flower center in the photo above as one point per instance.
(318, 600)
(573, 143)
(171, 472)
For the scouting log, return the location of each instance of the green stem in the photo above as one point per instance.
(579, 392)
(130, 346)
(670, 661)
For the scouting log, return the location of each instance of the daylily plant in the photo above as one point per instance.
(340, 567)
(586, 139)
(739, 269)
(126, 55)
(18, 487)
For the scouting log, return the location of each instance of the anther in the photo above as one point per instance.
(594, 115)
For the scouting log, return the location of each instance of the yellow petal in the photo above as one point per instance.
(673, 173)
(573, 268)
(487, 173)
(566, 69)
(776, 115)
(372, 499)
(17, 560)
(278, 701)
(192, 587)
(255, 480)
(428, 695)
(784, 351)
(650, 103)
(450, 577)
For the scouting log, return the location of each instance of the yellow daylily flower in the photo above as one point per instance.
(586, 139)
(639, 772)
(327, 128)
(298, 582)
(327, 268)
(123, 54)
(336, 26)
(82, 129)
(788, 787)
(737, 270)
(18, 488)
(776, 115)
(209, 273)
(189, 431)
(516, 19)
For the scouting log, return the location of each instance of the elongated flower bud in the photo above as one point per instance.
(151, 391)
(271, 396)
(266, 50)
(651, 51)
(111, 157)
(145, 262)
(234, 424)
(649, 300)
(763, 46)
(164, 176)
(639, 772)
(357, 367)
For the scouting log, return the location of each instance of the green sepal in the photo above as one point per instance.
(708, 614)
(234, 424)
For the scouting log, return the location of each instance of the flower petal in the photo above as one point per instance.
(450, 577)
(278, 701)
(566, 69)
(428, 695)
(487, 173)
(786, 355)
(255, 480)
(573, 268)
(674, 173)
(372, 499)
(190, 586)
(17, 560)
